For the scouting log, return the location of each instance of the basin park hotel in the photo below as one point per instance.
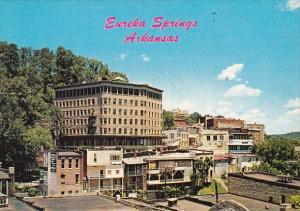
(110, 113)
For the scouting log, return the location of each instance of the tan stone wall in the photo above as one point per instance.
(259, 190)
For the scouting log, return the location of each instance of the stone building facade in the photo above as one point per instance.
(110, 113)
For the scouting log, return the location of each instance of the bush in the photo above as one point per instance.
(295, 200)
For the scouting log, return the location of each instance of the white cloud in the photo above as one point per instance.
(293, 103)
(230, 72)
(145, 58)
(238, 79)
(224, 103)
(242, 90)
(292, 5)
(294, 113)
(123, 56)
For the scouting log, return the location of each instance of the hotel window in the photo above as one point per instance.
(114, 111)
(131, 121)
(76, 178)
(62, 163)
(208, 138)
(120, 91)
(62, 193)
(114, 101)
(125, 121)
(69, 192)
(109, 172)
(125, 111)
(117, 171)
(120, 130)
(125, 101)
(215, 138)
(70, 163)
(221, 137)
(136, 112)
(120, 101)
(120, 111)
(62, 178)
(125, 130)
(95, 158)
(120, 121)
(77, 163)
(114, 121)
(131, 112)
(131, 102)
(136, 102)
(125, 91)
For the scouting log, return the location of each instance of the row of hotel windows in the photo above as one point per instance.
(130, 112)
(107, 89)
(143, 103)
(121, 131)
(74, 122)
(129, 121)
(124, 112)
(74, 103)
(107, 101)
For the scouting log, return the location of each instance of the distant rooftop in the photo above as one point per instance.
(120, 82)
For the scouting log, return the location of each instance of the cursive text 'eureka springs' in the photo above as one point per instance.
(158, 22)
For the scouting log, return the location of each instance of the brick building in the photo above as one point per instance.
(65, 173)
(220, 122)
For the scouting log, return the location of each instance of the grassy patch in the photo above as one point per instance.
(210, 189)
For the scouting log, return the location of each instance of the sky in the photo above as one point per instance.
(242, 60)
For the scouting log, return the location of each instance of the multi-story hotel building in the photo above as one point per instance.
(110, 113)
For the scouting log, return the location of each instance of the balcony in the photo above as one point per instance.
(96, 176)
(134, 173)
(106, 187)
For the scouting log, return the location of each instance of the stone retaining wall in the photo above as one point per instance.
(260, 189)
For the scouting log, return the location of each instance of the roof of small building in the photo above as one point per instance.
(134, 160)
(68, 153)
(171, 156)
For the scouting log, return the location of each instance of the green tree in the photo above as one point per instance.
(168, 118)
(193, 118)
(201, 170)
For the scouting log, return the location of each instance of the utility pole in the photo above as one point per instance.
(216, 189)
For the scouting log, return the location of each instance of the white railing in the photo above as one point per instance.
(96, 175)
(106, 187)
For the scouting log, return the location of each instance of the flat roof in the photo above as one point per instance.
(171, 156)
(79, 203)
(134, 160)
(109, 82)
(68, 153)
(271, 178)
